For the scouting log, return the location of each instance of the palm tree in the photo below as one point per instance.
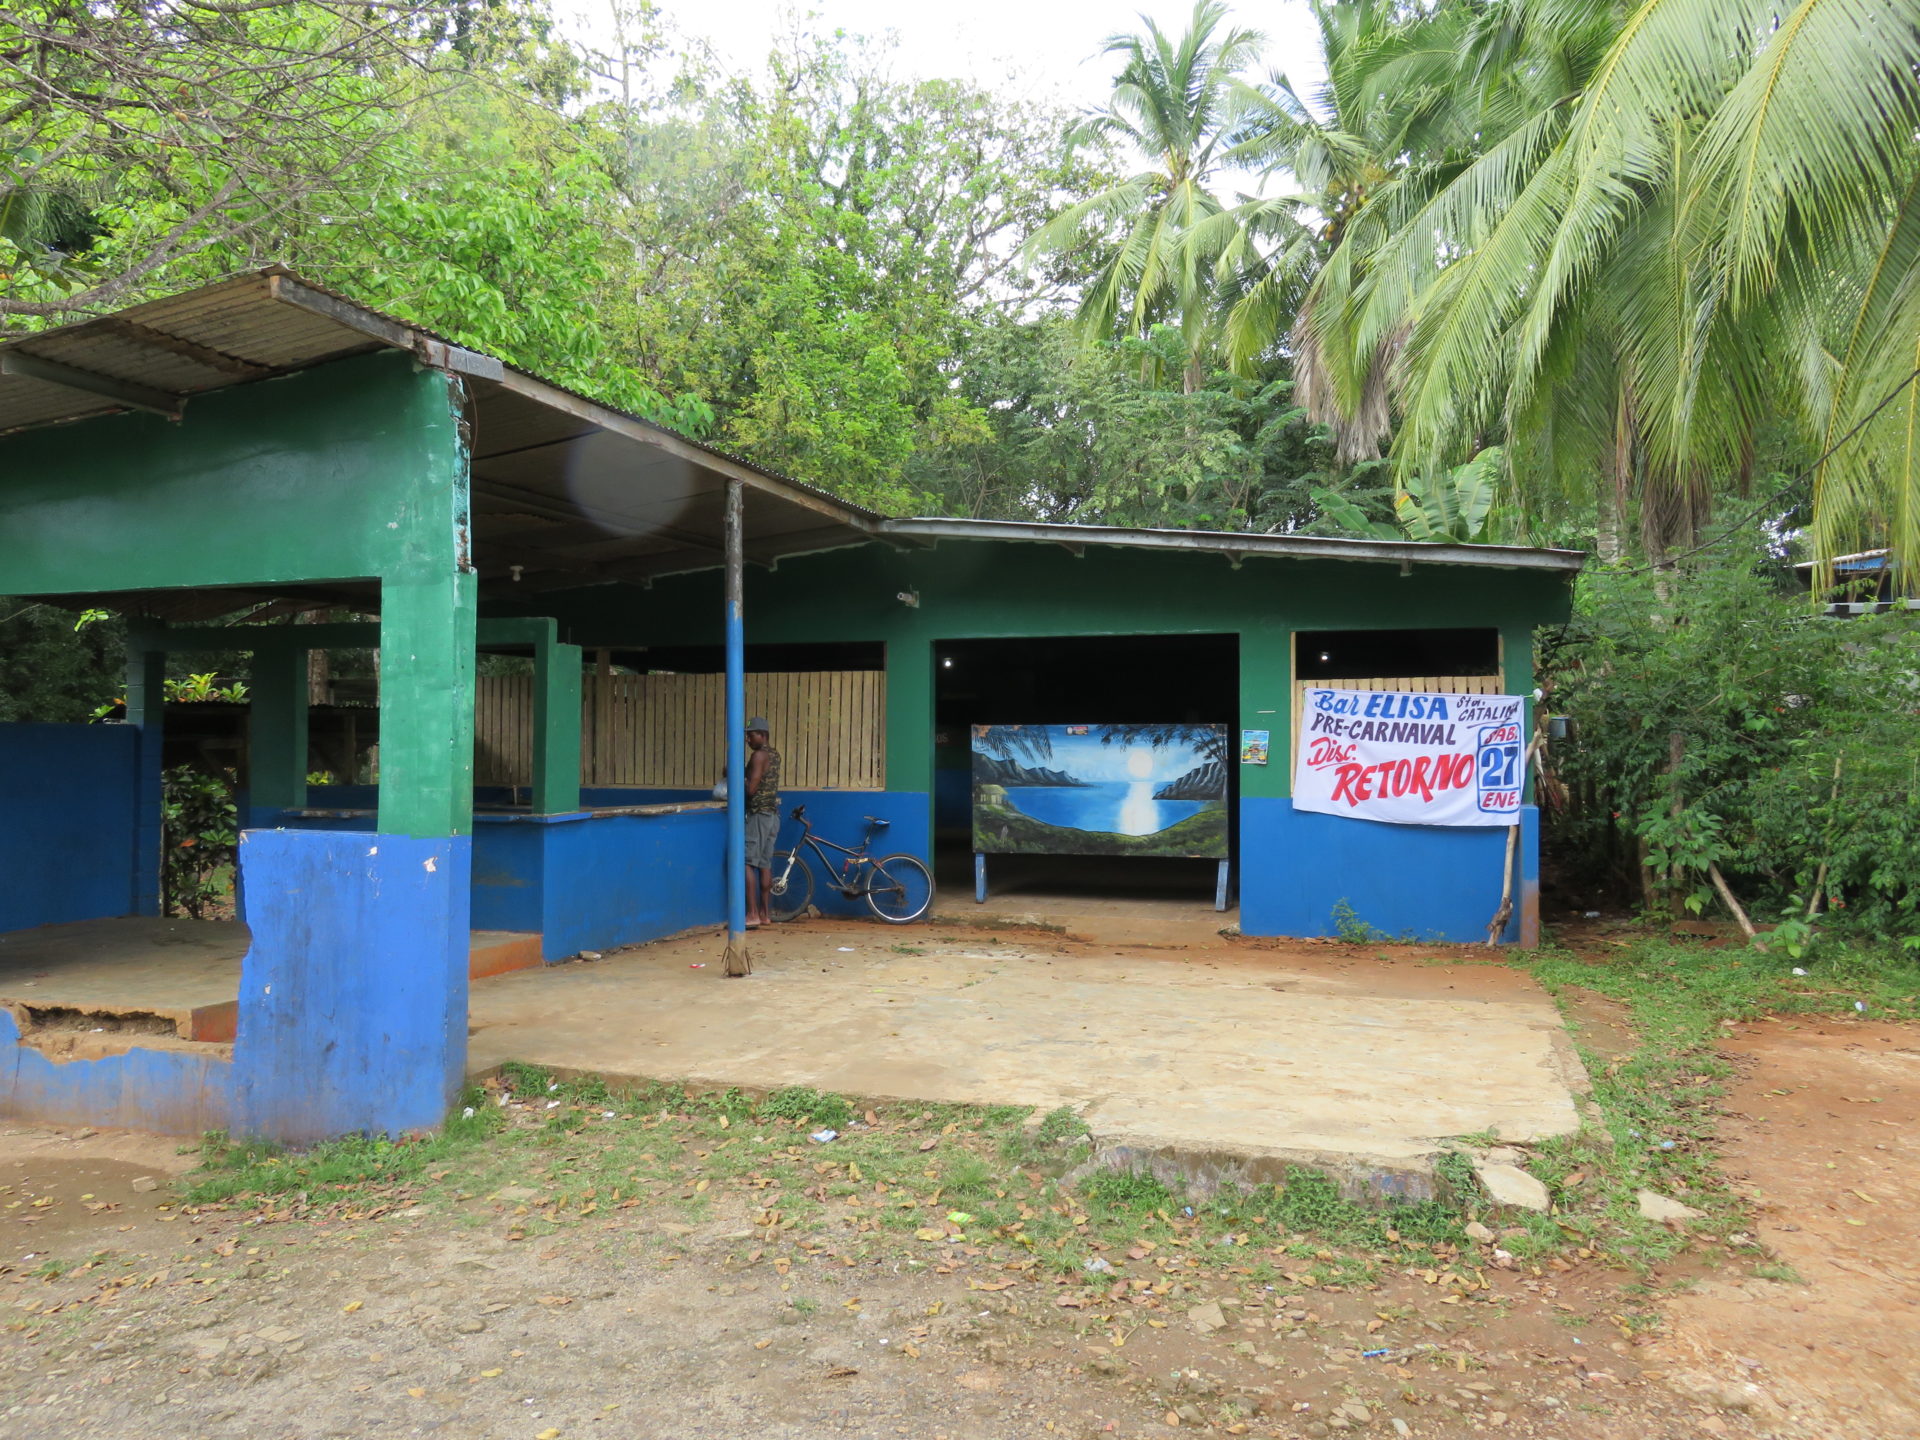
(1178, 103)
(1391, 99)
(1680, 219)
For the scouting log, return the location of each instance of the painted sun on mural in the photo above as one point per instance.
(1100, 790)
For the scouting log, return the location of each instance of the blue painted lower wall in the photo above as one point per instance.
(353, 1005)
(1424, 882)
(590, 884)
(594, 882)
(840, 816)
(175, 1092)
(68, 810)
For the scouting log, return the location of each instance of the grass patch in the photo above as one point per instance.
(231, 1169)
(802, 1102)
(924, 1185)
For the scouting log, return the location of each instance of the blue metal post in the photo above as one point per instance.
(736, 736)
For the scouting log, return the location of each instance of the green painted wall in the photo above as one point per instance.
(982, 589)
(353, 470)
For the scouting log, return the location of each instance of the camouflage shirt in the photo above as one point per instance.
(765, 799)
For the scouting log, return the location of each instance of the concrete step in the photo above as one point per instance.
(498, 952)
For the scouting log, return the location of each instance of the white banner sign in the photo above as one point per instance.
(1411, 759)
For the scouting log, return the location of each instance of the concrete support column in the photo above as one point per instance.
(1516, 678)
(909, 737)
(427, 638)
(910, 714)
(146, 700)
(1266, 703)
(277, 729)
(556, 726)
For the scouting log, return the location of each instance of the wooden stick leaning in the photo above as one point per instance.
(1505, 912)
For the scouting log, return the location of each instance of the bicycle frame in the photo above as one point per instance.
(830, 868)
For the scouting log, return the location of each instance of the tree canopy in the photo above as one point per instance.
(1645, 267)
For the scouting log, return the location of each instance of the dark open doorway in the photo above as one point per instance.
(1099, 680)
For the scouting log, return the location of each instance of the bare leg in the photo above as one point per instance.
(754, 903)
(766, 897)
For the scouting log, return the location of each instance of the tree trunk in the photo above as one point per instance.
(1611, 536)
(1676, 753)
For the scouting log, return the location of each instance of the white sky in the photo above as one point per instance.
(1040, 49)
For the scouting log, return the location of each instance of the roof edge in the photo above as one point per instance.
(1238, 544)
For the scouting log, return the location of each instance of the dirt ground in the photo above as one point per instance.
(452, 1319)
(1821, 1135)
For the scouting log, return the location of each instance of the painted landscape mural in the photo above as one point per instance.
(1100, 790)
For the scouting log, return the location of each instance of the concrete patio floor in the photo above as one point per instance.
(1220, 1059)
(176, 972)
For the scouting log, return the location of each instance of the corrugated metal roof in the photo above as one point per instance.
(566, 491)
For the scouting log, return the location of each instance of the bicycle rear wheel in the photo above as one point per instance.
(791, 882)
(900, 888)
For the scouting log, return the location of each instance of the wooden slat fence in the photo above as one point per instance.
(665, 731)
(503, 730)
(1421, 684)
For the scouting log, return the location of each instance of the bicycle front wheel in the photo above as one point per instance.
(900, 888)
(790, 880)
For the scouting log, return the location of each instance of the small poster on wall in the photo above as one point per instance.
(1254, 745)
(1100, 790)
(1411, 758)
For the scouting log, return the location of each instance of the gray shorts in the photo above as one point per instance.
(763, 832)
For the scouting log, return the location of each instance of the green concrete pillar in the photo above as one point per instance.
(1266, 703)
(556, 727)
(146, 699)
(427, 639)
(1516, 678)
(277, 729)
(910, 714)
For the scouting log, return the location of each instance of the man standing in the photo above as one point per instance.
(763, 821)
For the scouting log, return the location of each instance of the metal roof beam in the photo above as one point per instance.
(173, 345)
(121, 392)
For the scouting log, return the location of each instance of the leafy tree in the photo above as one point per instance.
(136, 136)
(816, 252)
(1458, 506)
(52, 670)
(1079, 435)
(1726, 726)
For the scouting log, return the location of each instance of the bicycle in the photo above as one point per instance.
(897, 887)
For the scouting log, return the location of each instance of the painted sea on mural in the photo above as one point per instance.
(1100, 789)
(1122, 807)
